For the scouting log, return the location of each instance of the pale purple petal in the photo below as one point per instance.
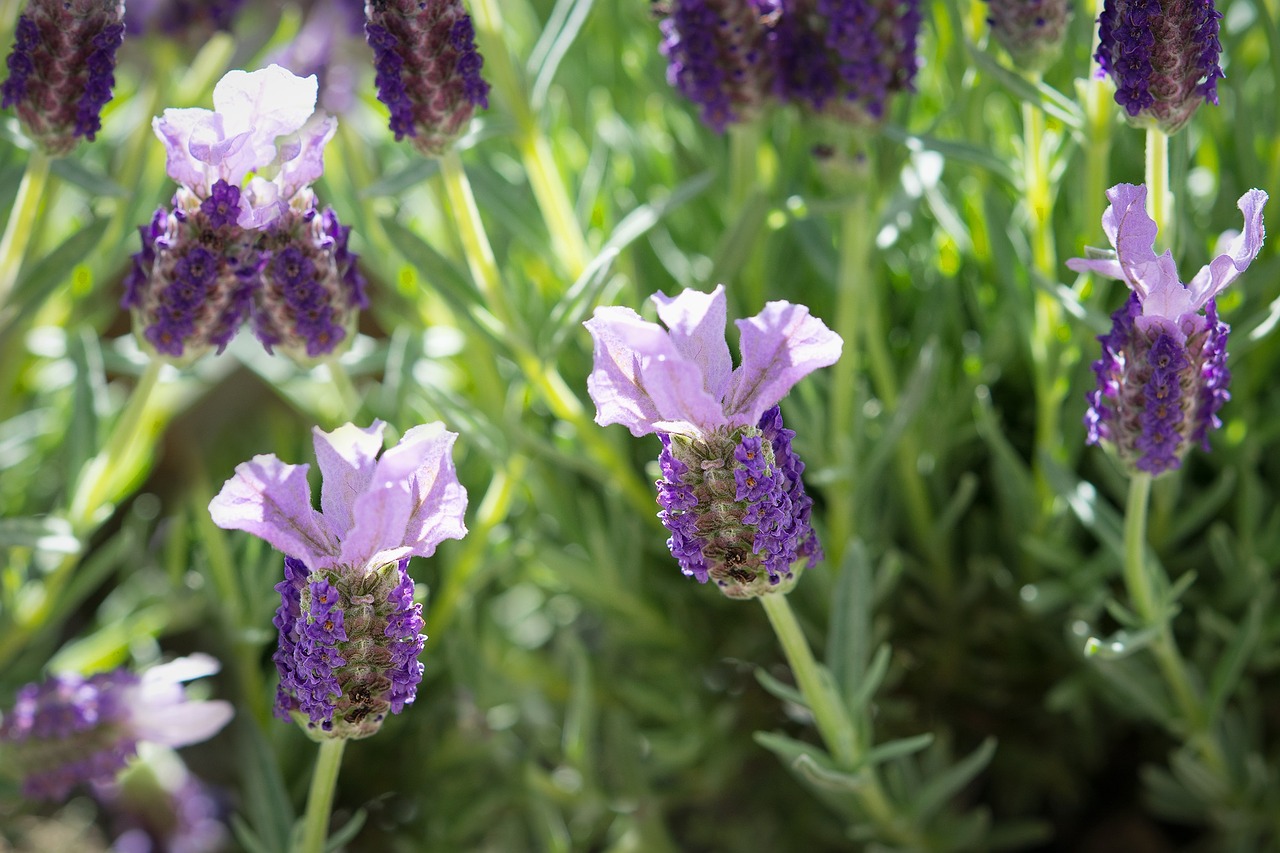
(272, 500)
(1110, 267)
(303, 157)
(270, 102)
(161, 718)
(182, 669)
(347, 457)
(697, 325)
(1166, 300)
(1235, 251)
(642, 381)
(260, 204)
(174, 129)
(397, 515)
(780, 346)
(1131, 231)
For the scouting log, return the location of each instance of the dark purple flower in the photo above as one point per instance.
(70, 730)
(428, 69)
(1162, 376)
(61, 70)
(1162, 56)
(349, 630)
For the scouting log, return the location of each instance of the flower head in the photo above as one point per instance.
(70, 729)
(62, 69)
(349, 630)
(731, 492)
(1162, 56)
(1032, 31)
(428, 69)
(1162, 376)
(263, 125)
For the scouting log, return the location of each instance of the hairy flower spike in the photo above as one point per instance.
(70, 730)
(428, 69)
(1162, 56)
(1032, 31)
(349, 630)
(1162, 376)
(731, 491)
(61, 70)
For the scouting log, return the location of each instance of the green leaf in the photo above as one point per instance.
(738, 243)
(898, 748)
(945, 785)
(1094, 513)
(780, 690)
(349, 830)
(82, 433)
(849, 637)
(266, 801)
(1121, 644)
(90, 179)
(418, 170)
(952, 150)
(557, 37)
(247, 838)
(823, 775)
(38, 283)
(870, 681)
(1226, 675)
(1045, 97)
(789, 749)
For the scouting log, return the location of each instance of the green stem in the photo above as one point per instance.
(98, 481)
(1159, 197)
(1100, 110)
(22, 218)
(348, 394)
(838, 732)
(324, 780)
(475, 241)
(1136, 578)
(744, 162)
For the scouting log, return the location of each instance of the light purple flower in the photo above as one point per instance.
(263, 125)
(1166, 301)
(681, 379)
(70, 729)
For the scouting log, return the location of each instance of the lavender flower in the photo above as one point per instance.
(846, 57)
(349, 631)
(1162, 56)
(428, 69)
(193, 21)
(61, 70)
(1032, 31)
(719, 56)
(69, 729)
(1162, 377)
(731, 492)
(159, 805)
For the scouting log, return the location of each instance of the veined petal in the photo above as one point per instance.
(272, 101)
(167, 717)
(1166, 300)
(1235, 251)
(780, 346)
(1110, 267)
(412, 503)
(271, 500)
(347, 457)
(640, 378)
(1131, 231)
(174, 129)
(696, 323)
(303, 161)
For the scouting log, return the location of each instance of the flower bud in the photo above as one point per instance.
(62, 69)
(311, 291)
(736, 507)
(428, 69)
(1032, 31)
(192, 282)
(1163, 58)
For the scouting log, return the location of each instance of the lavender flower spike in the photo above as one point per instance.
(62, 69)
(70, 730)
(1163, 377)
(428, 69)
(348, 627)
(731, 492)
(1032, 31)
(1163, 57)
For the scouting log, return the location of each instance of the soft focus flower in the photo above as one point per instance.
(731, 492)
(1163, 375)
(1032, 31)
(349, 630)
(61, 70)
(1162, 56)
(159, 806)
(330, 45)
(190, 20)
(428, 69)
(846, 57)
(719, 56)
(69, 729)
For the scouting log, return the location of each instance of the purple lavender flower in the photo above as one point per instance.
(846, 57)
(731, 492)
(428, 69)
(159, 805)
(1032, 31)
(1163, 377)
(1162, 56)
(70, 729)
(311, 292)
(62, 69)
(349, 631)
(719, 56)
(191, 21)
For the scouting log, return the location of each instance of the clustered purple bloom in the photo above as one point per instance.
(70, 730)
(428, 69)
(844, 57)
(349, 630)
(731, 491)
(1162, 377)
(192, 19)
(62, 69)
(1032, 31)
(1163, 57)
(237, 243)
(160, 806)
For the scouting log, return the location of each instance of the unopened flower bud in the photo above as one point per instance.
(62, 69)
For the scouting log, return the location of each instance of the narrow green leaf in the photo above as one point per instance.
(789, 749)
(1094, 513)
(849, 637)
(1046, 97)
(945, 785)
(247, 838)
(1226, 675)
(557, 37)
(871, 681)
(898, 748)
(97, 183)
(823, 775)
(739, 242)
(266, 801)
(347, 832)
(780, 690)
(38, 283)
(88, 388)
(418, 170)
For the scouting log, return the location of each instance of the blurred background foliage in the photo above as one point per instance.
(580, 694)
